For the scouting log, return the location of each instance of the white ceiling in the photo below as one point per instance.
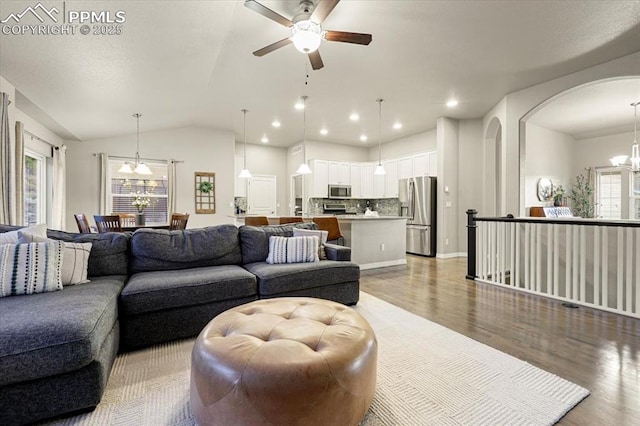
(183, 63)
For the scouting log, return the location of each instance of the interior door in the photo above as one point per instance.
(261, 197)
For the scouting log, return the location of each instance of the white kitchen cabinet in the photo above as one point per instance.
(420, 164)
(240, 184)
(319, 179)
(378, 185)
(339, 173)
(356, 180)
(391, 178)
(433, 163)
(405, 168)
(366, 180)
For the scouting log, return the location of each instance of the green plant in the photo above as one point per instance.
(558, 193)
(205, 187)
(581, 193)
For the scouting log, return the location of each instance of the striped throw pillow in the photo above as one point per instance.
(30, 268)
(292, 249)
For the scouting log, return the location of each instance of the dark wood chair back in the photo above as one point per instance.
(331, 225)
(291, 219)
(83, 223)
(126, 219)
(178, 221)
(110, 223)
(256, 220)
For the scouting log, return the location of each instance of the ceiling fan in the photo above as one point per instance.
(306, 29)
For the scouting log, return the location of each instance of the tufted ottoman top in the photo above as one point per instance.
(284, 361)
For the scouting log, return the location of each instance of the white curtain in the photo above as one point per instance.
(171, 195)
(19, 174)
(104, 167)
(7, 194)
(59, 210)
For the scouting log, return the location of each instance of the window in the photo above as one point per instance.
(35, 185)
(123, 189)
(634, 200)
(609, 193)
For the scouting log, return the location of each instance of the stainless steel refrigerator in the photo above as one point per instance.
(417, 198)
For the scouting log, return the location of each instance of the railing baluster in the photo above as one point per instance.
(516, 282)
(604, 270)
(527, 257)
(582, 252)
(568, 279)
(620, 273)
(556, 260)
(512, 252)
(629, 298)
(637, 282)
(538, 270)
(596, 262)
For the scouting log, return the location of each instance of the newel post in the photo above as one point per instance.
(471, 244)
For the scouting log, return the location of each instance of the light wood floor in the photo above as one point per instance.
(597, 350)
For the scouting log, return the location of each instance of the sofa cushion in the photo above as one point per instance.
(30, 268)
(254, 240)
(46, 334)
(161, 290)
(161, 250)
(109, 251)
(282, 278)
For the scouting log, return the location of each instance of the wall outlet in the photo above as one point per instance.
(381, 247)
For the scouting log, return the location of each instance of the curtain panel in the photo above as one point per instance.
(6, 160)
(59, 209)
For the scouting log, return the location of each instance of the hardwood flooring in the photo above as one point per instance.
(594, 349)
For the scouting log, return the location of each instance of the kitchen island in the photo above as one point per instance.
(375, 242)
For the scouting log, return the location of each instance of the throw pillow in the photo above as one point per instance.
(11, 237)
(30, 268)
(320, 235)
(292, 249)
(75, 258)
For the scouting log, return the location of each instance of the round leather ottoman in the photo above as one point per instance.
(285, 361)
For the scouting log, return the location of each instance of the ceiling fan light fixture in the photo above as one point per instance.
(306, 36)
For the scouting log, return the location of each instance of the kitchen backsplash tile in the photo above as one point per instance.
(384, 206)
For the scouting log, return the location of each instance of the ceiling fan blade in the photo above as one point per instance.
(316, 60)
(322, 10)
(273, 46)
(345, 37)
(267, 13)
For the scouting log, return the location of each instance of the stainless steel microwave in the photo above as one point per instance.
(339, 191)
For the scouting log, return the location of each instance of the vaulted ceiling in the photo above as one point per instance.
(182, 63)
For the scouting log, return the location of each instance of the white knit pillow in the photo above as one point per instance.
(30, 268)
(75, 258)
(319, 234)
(292, 249)
(11, 237)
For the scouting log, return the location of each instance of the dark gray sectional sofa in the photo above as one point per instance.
(152, 286)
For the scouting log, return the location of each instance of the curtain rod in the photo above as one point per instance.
(119, 157)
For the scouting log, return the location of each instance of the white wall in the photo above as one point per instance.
(425, 141)
(200, 149)
(269, 160)
(336, 152)
(469, 168)
(550, 154)
(596, 152)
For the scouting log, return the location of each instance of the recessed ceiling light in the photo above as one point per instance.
(397, 125)
(363, 138)
(299, 105)
(264, 139)
(452, 103)
(323, 131)
(275, 123)
(354, 116)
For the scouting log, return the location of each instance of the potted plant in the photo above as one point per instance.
(140, 202)
(558, 195)
(581, 193)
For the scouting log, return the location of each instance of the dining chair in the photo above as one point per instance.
(83, 223)
(126, 219)
(109, 223)
(178, 221)
(256, 220)
(331, 225)
(290, 219)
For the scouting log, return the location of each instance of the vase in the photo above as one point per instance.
(140, 219)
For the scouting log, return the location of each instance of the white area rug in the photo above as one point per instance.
(427, 374)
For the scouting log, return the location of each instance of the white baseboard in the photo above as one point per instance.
(450, 255)
(383, 264)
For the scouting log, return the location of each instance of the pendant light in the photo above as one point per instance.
(379, 168)
(245, 174)
(619, 160)
(304, 168)
(139, 167)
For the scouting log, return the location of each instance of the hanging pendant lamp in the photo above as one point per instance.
(379, 168)
(304, 167)
(244, 173)
(138, 167)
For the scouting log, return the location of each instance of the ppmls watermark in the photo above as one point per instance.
(58, 20)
